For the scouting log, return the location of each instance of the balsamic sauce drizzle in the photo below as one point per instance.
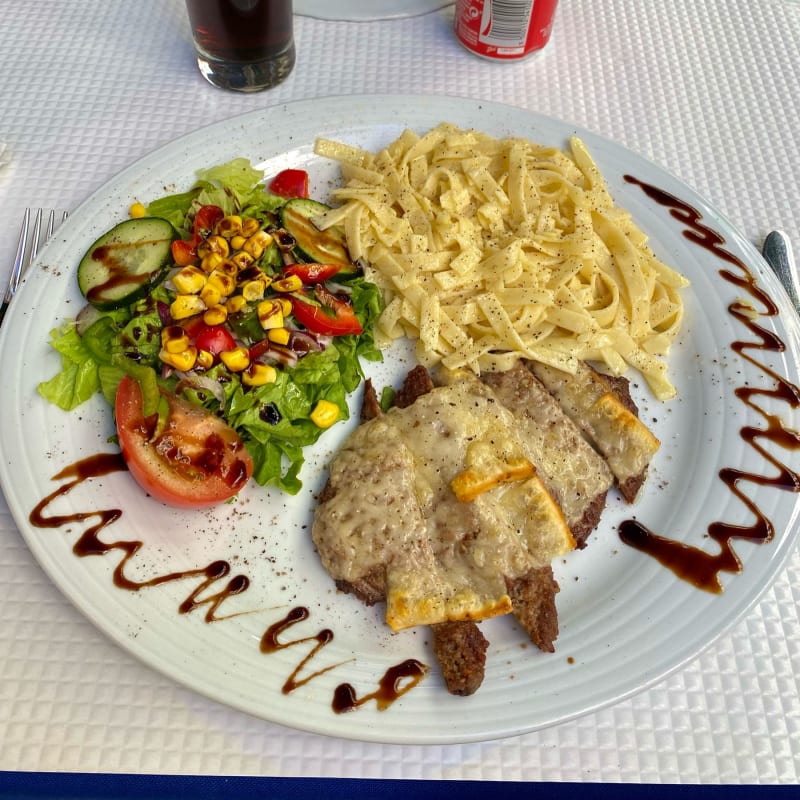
(209, 590)
(391, 687)
(270, 644)
(90, 544)
(694, 564)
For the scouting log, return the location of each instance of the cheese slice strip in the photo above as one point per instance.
(574, 473)
(612, 427)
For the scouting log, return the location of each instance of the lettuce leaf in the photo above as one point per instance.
(78, 379)
(174, 208)
(237, 175)
(232, 186)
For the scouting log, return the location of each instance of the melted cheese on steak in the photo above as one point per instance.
(389, 505)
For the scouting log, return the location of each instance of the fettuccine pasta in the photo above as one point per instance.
(490, 250)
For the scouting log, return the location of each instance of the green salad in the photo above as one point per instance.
(230, 297)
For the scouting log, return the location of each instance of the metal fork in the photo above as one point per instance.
(777, 252)
(25, 254)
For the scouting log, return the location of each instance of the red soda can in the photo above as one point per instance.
(504, 30)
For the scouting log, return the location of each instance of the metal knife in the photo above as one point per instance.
(777, 252)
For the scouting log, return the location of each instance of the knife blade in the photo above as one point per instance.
(777, 252)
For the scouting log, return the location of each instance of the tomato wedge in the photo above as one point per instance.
(194, 460)
(290, 183)
(334, 317)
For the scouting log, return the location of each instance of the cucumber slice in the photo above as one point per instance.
(313, 245)
(125, 263)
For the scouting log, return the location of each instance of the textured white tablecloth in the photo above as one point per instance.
(708, 89)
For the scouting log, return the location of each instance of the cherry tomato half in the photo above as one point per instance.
(214, 339)
(290, 183)
(195, 461)
(184, 251)
(205, 219)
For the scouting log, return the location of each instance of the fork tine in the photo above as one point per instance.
(24, 257)
(19, 258)
(37, 228)
(51, 225)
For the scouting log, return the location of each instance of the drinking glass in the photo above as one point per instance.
(244, 45)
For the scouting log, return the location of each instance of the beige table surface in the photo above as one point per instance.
(708, 90)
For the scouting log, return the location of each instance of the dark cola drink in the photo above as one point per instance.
(244, 45)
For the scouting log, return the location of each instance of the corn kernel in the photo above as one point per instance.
(174, 339)
(186, 305)
(137, 211)
(249, 226)
(236, 360)
(205, 360)
(259, 374)
(242, 259)
(229, 226)
(237, 241)
(278, 335)
(210, 294)
(212, 261)
(286, 305)
(182, 361)
(235, 304)
(189, 280)
(223, 282)
(213, 244)
(325, 414)
(289, 284)
(228, 267)
(270, 314)
(257, 244)
(215, 315)
(253, 290)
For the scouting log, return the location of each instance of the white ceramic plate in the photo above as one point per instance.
(626, 621)
(359, 11)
